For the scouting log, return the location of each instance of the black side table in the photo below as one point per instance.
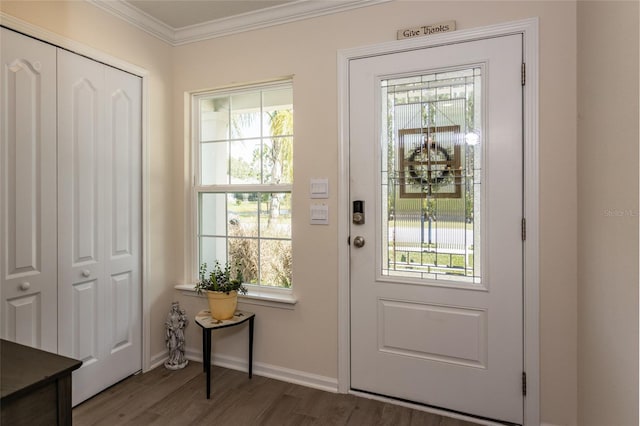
(208, 324)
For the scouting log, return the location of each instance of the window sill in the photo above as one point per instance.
(275, 298)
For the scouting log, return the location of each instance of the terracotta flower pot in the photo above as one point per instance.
(222, 305)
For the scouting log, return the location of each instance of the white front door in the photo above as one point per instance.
(99, 222)
(436, 267)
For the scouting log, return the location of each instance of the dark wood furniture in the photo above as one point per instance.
(35, 386)
(208, 324)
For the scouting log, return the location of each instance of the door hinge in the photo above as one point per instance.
(524, 73)
(524, 229)
(524, 384)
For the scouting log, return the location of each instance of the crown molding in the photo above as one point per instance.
(137, 18)
(276, 15)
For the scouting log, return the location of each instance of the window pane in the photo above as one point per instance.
(212, 249)
(243, 214)
(213, 213)
(245, 115)
(278, 122)
(275, 215)
(245, 161)
(277, 156)
(275, 263)
(277, 99)
(214, 119)
(214, 163)
(245, 252)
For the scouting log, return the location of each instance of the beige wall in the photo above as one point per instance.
(305, 338)
(608, 220)
(82, 22)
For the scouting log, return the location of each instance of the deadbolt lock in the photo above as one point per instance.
(358, 212)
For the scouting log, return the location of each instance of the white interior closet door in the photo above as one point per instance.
(99, 184)
(28, 257)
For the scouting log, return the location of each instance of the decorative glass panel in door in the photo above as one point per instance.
(431, 176)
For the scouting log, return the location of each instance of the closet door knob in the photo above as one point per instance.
(86, 273)
(24, 286)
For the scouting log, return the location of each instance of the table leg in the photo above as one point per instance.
(65, 417)
(208, 360)
(204, 347)
(251, 347)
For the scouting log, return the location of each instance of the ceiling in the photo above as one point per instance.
(185, 21)
(182, 13)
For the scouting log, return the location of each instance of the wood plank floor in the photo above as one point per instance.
(164, 397)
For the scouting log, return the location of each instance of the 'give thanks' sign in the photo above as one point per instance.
(425, 30)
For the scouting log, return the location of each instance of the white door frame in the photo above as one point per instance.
(529, 29)
(74, 46)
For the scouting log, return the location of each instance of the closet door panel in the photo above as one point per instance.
(123, 230)
(85, 306)
(122, 314)
(86, 140)
(82, 288)
(28, 262)
(99, 211)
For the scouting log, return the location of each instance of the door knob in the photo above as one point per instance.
(86, 273)
(358, 241)
(24, 286)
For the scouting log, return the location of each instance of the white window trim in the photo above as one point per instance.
(270, 296)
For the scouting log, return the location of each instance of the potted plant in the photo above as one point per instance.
(221, 288)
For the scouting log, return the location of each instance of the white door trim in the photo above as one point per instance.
(72, 45)
(529, 29)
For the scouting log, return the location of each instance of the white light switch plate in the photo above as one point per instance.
(319, 188)
(319, 214)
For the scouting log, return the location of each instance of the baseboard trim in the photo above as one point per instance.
(271, 371)
(157, 360)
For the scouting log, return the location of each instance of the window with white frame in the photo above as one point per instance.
(243, 146)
